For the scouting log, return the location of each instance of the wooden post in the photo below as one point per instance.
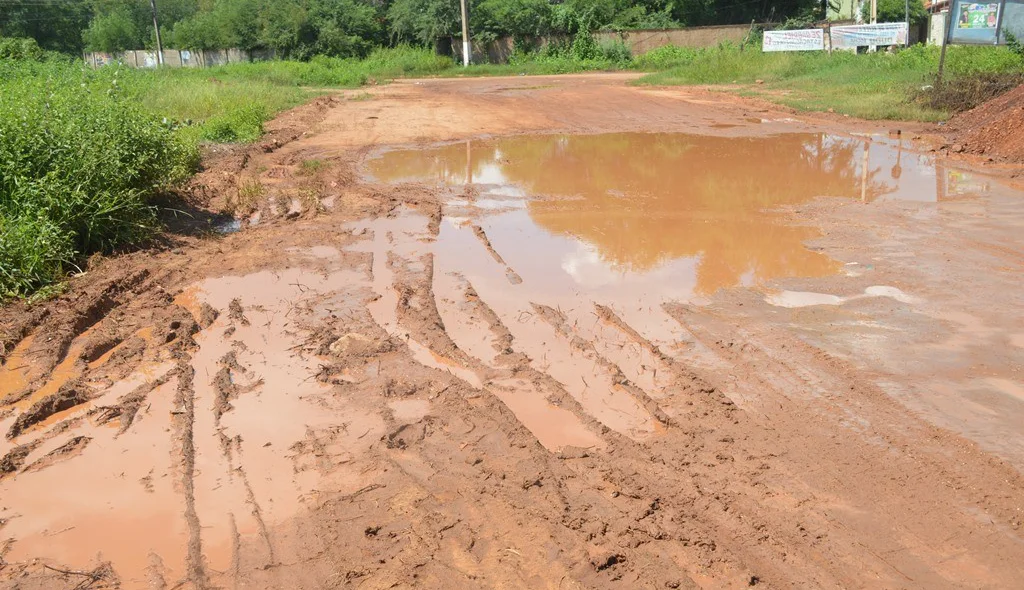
(945, 41)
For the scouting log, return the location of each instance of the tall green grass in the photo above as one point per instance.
(877, 85)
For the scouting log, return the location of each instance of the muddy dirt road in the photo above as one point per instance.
(535, 333)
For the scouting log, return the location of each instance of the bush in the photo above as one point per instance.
(81, 162)
(665, 57)
(1012, 43)
(17, 48)
(894, 11)
(243, 124)
(615, 52)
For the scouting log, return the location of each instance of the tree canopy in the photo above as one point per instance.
(351, 28)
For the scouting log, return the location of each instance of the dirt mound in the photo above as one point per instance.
(994, 129)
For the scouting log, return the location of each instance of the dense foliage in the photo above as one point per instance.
(351, 28)
(894, 11)
(80, 162)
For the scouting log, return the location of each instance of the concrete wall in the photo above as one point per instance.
(638, 42)
(174, 58)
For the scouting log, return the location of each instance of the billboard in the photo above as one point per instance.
(975, 23)
(799, 40)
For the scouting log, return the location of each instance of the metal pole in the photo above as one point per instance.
(156, 27)
(874, 19)
(465, 34)
(999, 21)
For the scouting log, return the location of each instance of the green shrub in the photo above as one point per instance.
(240, 125)
(615, 51)
(80, 163)
(665, 57)
(18, 48)
(1012, 43)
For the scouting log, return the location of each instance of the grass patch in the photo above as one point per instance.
(871, 86)
(311, 167)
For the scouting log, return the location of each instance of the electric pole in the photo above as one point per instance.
(156, 27)
(906, 10)
(874, 19)
(465, 33)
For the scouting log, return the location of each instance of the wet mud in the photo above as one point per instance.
(648, 343)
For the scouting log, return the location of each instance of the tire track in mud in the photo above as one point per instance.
(571, 333)
(623, 447)
(504, 341)
(513, 277)
(849, 415)
(703, 445)
(194, 563)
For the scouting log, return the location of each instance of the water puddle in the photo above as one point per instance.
(793, 299)
(228, 227)
(693, 211)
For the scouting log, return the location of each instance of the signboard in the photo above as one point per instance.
(851, 37)
(978, 16)
(799, 40)
(975, 23)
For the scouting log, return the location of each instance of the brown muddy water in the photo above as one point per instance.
(675, 215)
(565, 245)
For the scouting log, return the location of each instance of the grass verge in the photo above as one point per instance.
(870, 86)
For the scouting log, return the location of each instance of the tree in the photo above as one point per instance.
(115, 31)
(55, 25)
(894, 11)
(423, 21)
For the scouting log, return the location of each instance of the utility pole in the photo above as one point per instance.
(874, 19)
(906, 9)
(156, 27)
(465, 33)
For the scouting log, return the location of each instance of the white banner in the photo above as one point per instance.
(800, 40)
(853, 36)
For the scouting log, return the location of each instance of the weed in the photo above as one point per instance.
(81, 161)
(243, 124)
(311, 167)
(309, 197)
(247, 198)
(969, 91)
(1013, 43)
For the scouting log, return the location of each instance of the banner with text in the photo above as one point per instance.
(853, 36)
(799, 40)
